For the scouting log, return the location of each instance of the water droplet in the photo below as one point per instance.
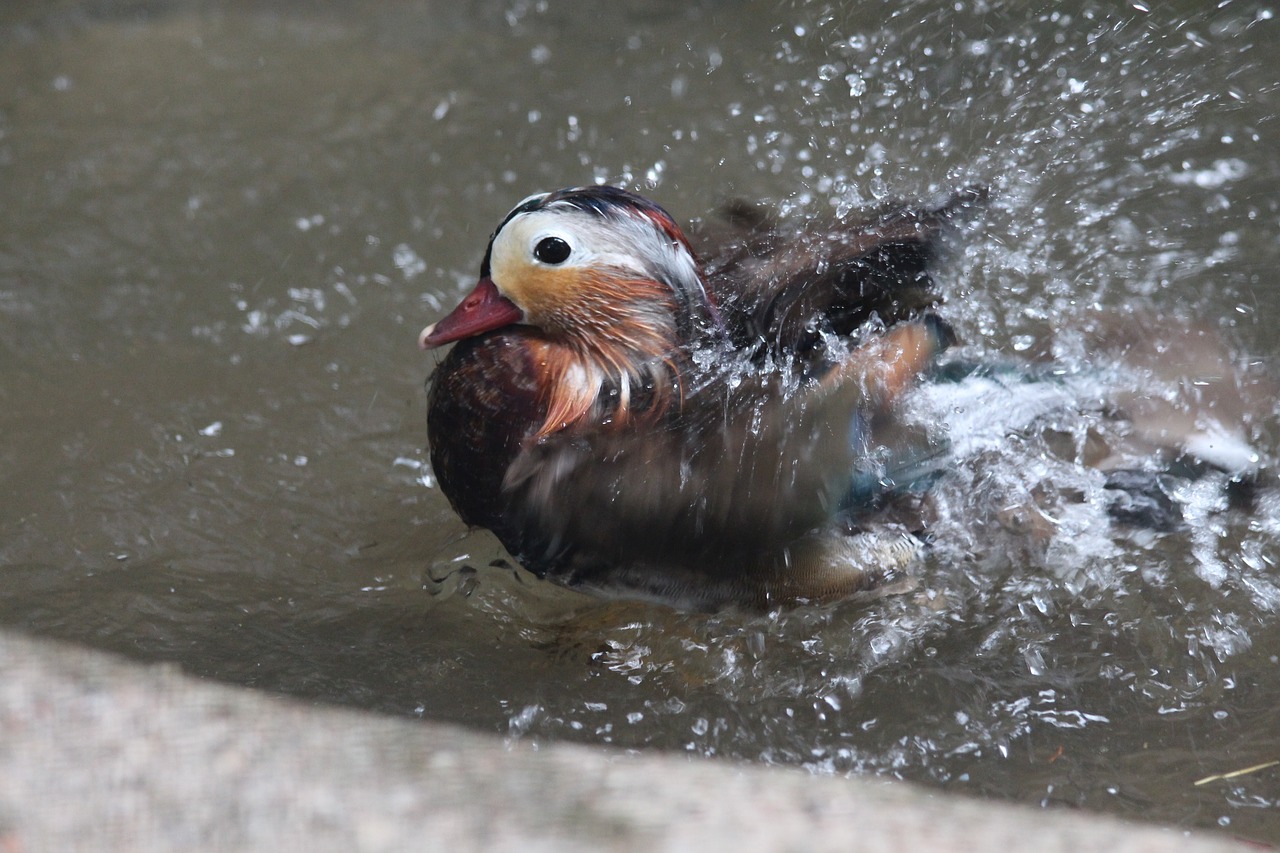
(407, 261)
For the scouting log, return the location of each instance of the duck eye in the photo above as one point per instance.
(552, 250)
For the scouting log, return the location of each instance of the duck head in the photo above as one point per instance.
(586, 265)
(606, 290)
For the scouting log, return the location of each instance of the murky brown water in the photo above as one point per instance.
(222, 225)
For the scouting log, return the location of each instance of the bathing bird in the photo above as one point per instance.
(709, 428)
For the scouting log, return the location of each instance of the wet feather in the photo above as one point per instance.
(676, 435)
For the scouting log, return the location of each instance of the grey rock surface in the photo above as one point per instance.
(99, 753)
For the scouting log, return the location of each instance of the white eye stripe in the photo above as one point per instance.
(628, 243)
(530, 230)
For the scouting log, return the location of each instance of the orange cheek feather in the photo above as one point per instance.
(545, 293)
(596, 327)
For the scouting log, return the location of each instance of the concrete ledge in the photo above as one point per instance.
(103, 754)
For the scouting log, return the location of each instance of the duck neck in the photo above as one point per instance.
(611, 366)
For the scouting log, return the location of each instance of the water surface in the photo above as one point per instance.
(223, 224)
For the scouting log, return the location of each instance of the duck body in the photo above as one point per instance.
(629, 417)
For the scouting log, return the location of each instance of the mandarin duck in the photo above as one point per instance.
(629, 417)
